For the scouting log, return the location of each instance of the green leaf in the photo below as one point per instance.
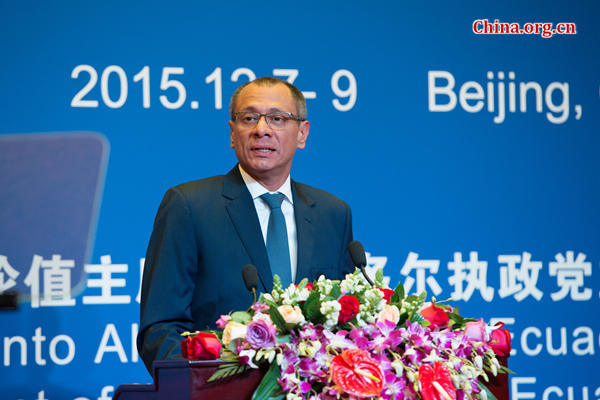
(490, 396)
(268, 387)
(411, 298)
(312, 307)
(228, 355)
(283, 339)
(403, 318)
(335, 292)
(416, 317)
(241, 316)
(302, 283)
(276, 317)
(379, 278)
(232, 346)
(398, 294)
(506, 370)
(457, 318)
(227, 370)
(423, 296)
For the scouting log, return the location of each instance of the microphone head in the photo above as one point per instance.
(357, 253)
(250, 275)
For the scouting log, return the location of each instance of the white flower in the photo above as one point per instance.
(289, 295)
(483, 395)
(275, 295)
(331, 311)
(268, 354)
(262, 316)
(293, 295)
(328, 307)
(478, 361)
(456, 380)
(324, 286)
(250, 353)
(293, 396)
(309, 348)
(374, 298)
(432, 357)
(338, 341)
(267, 296)
(302, 295)
(494, 369)
(398, 367)
(352, 283)
(468, 371)
(468, 387)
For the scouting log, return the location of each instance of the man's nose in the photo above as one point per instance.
(262, 127)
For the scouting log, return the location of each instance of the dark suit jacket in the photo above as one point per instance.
(204, 233)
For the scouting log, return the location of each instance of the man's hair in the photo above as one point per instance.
(297, 95)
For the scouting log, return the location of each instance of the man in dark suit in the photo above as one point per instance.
(205, 231)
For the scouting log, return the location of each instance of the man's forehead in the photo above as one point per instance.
(276, 96)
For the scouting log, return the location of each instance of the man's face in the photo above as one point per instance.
(264, 152)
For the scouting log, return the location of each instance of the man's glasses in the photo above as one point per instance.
(275, 120)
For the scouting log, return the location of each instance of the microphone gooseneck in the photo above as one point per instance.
(359, 258)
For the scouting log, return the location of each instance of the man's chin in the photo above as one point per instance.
(266, 171)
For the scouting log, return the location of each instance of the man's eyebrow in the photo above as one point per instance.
(254, 109)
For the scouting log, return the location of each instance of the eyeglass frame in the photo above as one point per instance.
(260, 115)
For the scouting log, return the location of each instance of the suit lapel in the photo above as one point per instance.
(305, 230)
(242, 212)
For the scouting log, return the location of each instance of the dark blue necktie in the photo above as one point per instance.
(277, 240)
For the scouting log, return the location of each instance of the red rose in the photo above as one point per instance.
(387, 294)
(202, 346)
(436, 316)
(500, 341)
(350, 306)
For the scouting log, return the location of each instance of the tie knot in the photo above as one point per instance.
(274, 200)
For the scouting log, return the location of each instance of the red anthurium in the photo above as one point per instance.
(436, 316)
(356, 373)
(436, 383)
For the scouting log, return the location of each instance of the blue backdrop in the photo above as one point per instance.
(470, 162)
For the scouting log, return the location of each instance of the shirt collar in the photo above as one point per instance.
(256, 189)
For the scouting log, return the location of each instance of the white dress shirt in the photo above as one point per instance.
(264, 212)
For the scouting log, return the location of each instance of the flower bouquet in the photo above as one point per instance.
(347, 339)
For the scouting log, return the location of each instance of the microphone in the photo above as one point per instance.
(250, 275)
(357, 254)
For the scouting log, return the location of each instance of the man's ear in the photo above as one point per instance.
(231, 134)
(303, 133)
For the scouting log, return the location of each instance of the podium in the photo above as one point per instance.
(187, 380)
